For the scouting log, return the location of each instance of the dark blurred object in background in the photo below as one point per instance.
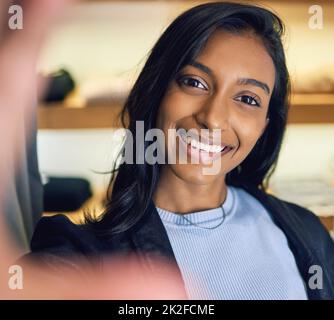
(60, 85)
(65, 194)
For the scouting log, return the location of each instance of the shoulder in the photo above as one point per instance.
(307, 224)
(294, 214)
(58, 245)
(277, 209)
(305, 217)
(294, 218)
(58, 234)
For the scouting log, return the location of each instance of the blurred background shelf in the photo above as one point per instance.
(57, 116)
(312, 109)
(104, 44)
(305, 108)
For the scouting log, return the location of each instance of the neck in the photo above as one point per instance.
(176, 195)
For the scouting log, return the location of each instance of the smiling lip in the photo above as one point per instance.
(195, 151)
(204, 143)
(211, 142)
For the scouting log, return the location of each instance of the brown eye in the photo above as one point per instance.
(248, 100)
(192, 82)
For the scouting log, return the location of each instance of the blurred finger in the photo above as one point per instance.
(121, 278)
(39, 16)
(4, 6)
(18, 55)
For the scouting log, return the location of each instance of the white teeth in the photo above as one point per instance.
(203, 146)
(195, 143)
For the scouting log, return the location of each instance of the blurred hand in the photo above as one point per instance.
(19, 50)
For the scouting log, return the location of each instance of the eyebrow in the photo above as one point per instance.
(240, 81)
(254, 82)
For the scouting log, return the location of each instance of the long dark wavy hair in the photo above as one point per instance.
(132, 185)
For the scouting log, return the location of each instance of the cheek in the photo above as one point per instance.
(173, 108)
(249, 134)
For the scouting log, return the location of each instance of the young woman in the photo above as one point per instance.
(218, 66)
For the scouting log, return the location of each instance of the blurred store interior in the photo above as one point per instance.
(97, 50)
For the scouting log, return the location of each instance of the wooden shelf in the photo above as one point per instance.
(305, 108)
(312, 108)
(56, 116)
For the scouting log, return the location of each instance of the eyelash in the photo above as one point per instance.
(253, 98)
(183, 78)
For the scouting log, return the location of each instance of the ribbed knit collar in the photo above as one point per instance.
(206, 218)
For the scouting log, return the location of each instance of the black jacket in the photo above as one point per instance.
(309, 241)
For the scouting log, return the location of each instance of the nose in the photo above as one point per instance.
(214, 114)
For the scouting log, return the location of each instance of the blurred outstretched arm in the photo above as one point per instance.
(19, 50)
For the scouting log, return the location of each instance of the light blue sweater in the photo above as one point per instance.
(246, 257)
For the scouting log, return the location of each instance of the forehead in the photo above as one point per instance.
(238, 55)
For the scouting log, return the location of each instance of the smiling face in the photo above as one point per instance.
(227, 87)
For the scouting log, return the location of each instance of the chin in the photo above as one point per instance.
(192, 173)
